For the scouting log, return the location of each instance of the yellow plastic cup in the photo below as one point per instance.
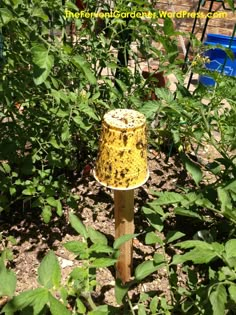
(122, 158)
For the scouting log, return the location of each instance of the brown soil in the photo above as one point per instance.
(95, 208)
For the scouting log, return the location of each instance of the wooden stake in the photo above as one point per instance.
(124, 224)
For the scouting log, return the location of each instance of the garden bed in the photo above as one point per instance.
(95, 208)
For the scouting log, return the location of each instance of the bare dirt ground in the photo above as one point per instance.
(95, 208)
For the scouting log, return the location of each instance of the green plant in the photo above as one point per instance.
(7, 277)
(208, 258)
(55, 91)
(74, 295)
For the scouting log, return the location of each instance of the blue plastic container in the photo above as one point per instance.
(218, 58)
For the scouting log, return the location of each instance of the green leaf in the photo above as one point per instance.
(12, 240)
(12, 191)
(88, 110)
(141, 309)
(224, 199)
(63, 294)
(101, 248)
(49, 272)
(150, 108)
(6, 254)
(103, 262)
(173, 236)
(187, 213)
(197, 255)
(29, 191)
(122, 86)
(83, 65)
(158, 258)
(123, 239)
(230, 248)
(36, 298)
(4, 167)
(53, 141)
(47, 214)
(97, 237)
(165, 94)
(232, 292)
(201, 244)
(168, 27)
(70, 5)
(152, 238)
(56, 204)
(231, 186)
(120, 291)
(193, 169)
(214, 167)
(154, 304)
(80, 306)
(225, 273)
(154, 219)
(144, 297)
(7, 281)
(112, 65)
(57, 307)
(78, 226)
(169, 197)
(43, 63)
(183, 90)
(146, 268)
(52, 201)
(218, 299)
(65, 133)
(59, 208)
(76, 247)
(79, 121)
(38, 12)
(231, 3)
(156, 207)
(5, 16)
(80, 273)
(100, 310)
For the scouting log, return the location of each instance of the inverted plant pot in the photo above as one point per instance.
(122, 159)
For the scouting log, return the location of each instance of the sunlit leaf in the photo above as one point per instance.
(78, 226)
(173, 236)
(97, 237)
(36, 298)
(103, 262)
(123, 239)
(7, 281)
(56, 307)
(147, 268)
(49, 272)
(218, 299)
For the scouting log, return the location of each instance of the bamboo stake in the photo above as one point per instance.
(124, 224)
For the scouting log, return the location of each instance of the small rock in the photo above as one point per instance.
(65, 262)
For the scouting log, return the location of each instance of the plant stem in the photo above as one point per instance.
(91, 302)
(130, 305)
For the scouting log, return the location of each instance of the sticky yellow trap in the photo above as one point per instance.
(122, 157)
